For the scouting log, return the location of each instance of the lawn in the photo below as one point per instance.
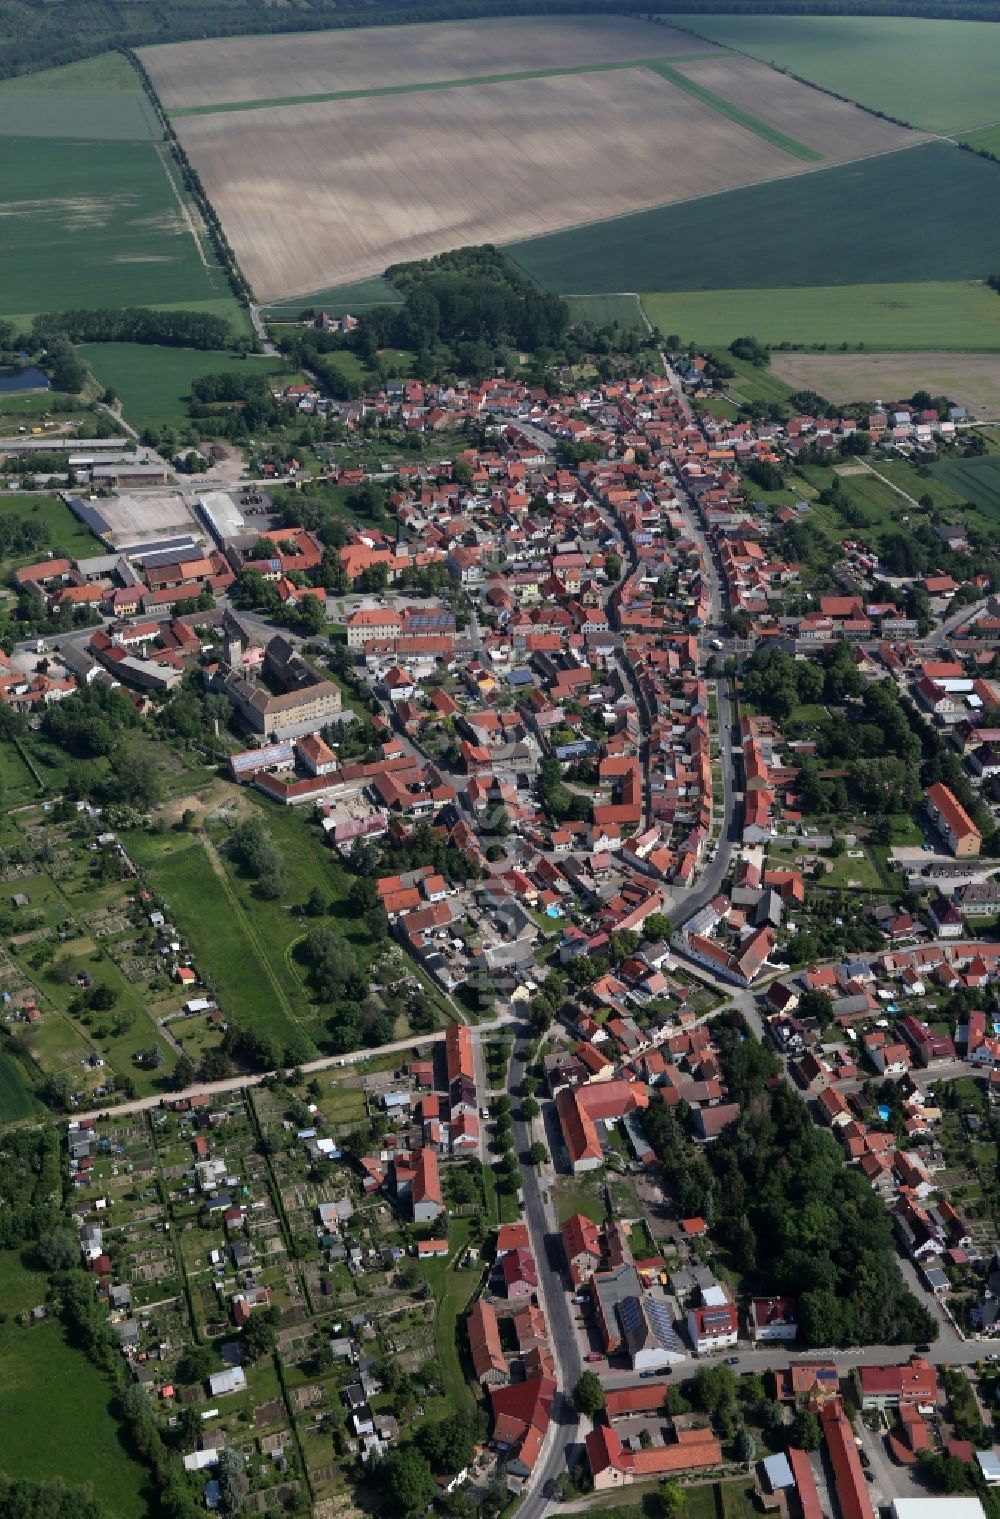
(975, 480)
(17, 784)
(453, 1289)
(940, 75)
(97, 224)
(751, 382)
(66, 534)
(47, 1386)
(253, 990)
(921, 315)
(154, 383)
(894, 218)
(846, 873)
(580, 1194)
(15, 1100)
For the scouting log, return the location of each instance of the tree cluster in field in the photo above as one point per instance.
(239, 403)
(439, 1448)
(795, 1220)
(31, 1185)
(92, 727)
(134, 324)
(47, 1500)
(464, 314)
(252, 846)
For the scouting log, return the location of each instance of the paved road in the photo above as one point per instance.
(547, 1249)
(308, 1068)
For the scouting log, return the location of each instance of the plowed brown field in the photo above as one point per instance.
(322, 63)
(319, 195)
(833, 127)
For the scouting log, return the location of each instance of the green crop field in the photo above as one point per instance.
(104, 74)
(337, 301)
(88, 116)
(906, 216)
(975, 480)
(95, 224)
(605, 309)
(47, 1386)
(152, 382)
(15, 1101)
(988, 139)
(882, 317)
(940, 75)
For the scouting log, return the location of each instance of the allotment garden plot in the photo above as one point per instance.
(315, 194)
(206, 73)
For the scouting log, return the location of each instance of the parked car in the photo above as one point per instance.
(732, 1360)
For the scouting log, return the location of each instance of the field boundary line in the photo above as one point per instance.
(734, 113)
(185, 210)
(420, 87)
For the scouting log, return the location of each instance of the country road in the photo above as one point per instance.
(308, 1068)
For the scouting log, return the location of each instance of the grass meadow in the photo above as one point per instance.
(153, 383)
(55, 1407)
(897, 218)
(923, 315)
(104, 74)
(15, 1099)
(940, 75)
(65, 532)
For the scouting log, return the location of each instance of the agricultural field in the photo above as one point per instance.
(420, 172)
(940, 75)
(899, 218)
(975, 480)
(46, 1385)
(94, 214)
(96, 223)
(605, 309)
(988, 140)
(216, 71)
(94, 118)
(973, 380)
(424, 147)
(921, 315)
(104, 74)
(338, 301)
(153, 383)
(827, 127)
